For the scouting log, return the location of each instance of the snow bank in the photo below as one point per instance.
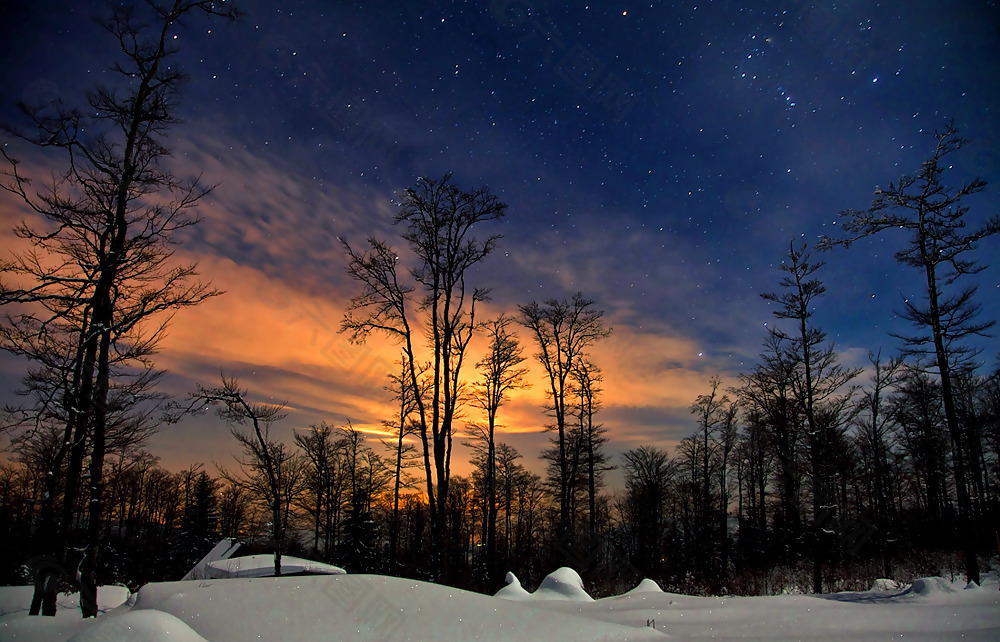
(362, 607)
(927, 586)
(371, 607)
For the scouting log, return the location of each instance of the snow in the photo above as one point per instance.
(263, 566)
(562, 584)
(513, 589)
(883, 584)
(139, 626)
(15, 599)
(645, 586)
(222, 551)
(372, 607)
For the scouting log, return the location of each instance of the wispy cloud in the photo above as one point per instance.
(269, 239)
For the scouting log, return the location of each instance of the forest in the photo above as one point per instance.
(802, 472)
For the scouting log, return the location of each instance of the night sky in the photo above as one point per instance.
(658, 157)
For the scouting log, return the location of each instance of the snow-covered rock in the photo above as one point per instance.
(513, 589)
(885, 585)
(645, 586)
(926, 586)
(562, 584)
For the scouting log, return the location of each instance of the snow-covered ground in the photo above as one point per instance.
(372, 607)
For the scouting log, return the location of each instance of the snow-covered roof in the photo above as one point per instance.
(263, 566)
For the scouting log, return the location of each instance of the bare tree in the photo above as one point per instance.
(818, 382)
(940, 238)
(563, 331)
(874, 436)
(766, 392)
(404, 454)
(507, 470)
(649, 475)
(101, 262)
(710, 409)
(321, 451)
(234, 509)
(755, 458)
(368, 476)
(440, 221)
(587, 380)
(921, 430)
(266, 467)
(500, 374)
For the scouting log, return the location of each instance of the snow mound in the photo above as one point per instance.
(562, 584)
(513, 590)
(138, 626)
(645, 586)
(931, 586)
(263, 566)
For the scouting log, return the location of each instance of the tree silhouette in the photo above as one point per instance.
(439, 221)
(99, 266)
(936, 219)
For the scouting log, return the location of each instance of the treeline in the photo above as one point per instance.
(158, 524)
(730, 510)
(343, 500)
(746, 505)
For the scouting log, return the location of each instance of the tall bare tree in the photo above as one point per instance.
(563, 331)
(101, 261)
(439, 221)
(818, 382)
(403, 452)
(649, 475)
(766, 392)
(321, 450)
(941, 237)
(587, 380)
(874, 436)
(710, 410)
(501, 372)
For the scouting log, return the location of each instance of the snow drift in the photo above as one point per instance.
(371, 607)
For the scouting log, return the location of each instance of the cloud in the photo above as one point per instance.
(269, 239)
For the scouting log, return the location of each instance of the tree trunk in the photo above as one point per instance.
(966, 518)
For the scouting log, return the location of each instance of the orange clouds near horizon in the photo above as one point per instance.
(270, 240)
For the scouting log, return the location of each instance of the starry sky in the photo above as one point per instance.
(658, 157)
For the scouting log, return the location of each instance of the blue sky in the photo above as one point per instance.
(659, 158)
